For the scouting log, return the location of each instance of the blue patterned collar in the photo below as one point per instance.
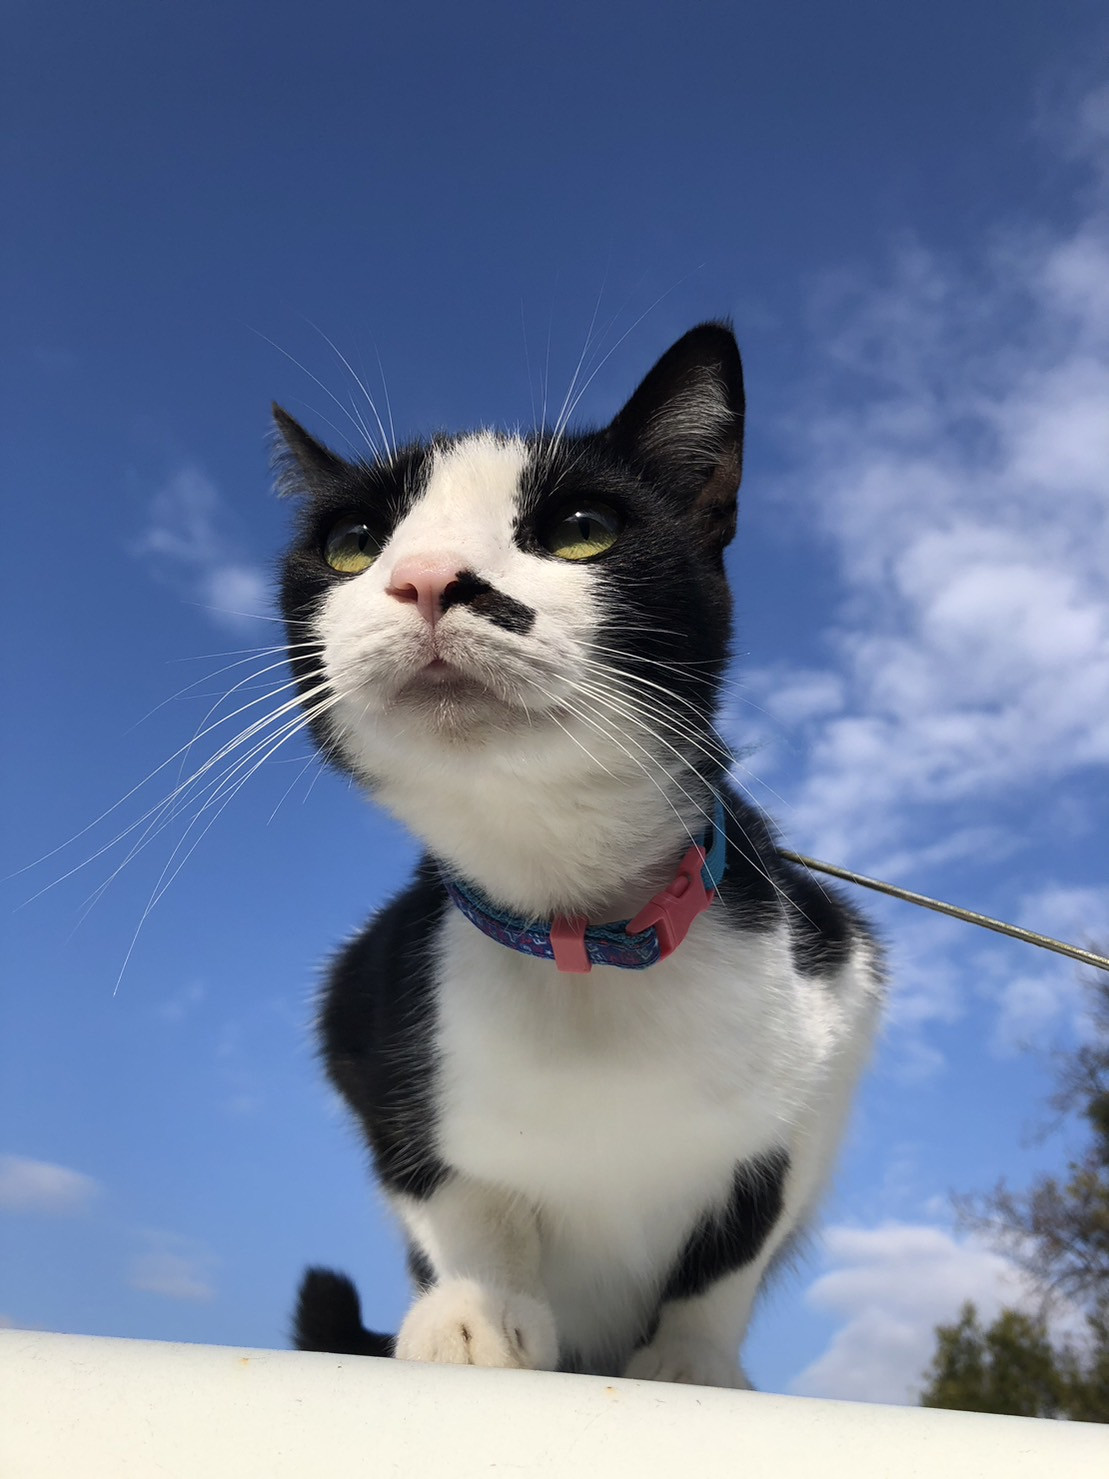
(631, 944)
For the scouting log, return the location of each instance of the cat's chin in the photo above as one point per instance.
(454, 704)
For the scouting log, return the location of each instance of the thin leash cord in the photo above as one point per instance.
(1030, 937)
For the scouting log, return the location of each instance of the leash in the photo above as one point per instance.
(970, 916)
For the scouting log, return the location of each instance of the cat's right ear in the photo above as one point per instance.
(302, 466)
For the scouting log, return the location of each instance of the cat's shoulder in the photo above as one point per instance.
(388, 966)
(762, 887)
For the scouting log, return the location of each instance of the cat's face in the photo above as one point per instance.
(506, 593)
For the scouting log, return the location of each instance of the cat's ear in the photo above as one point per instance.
(684, 428)
(302, 466)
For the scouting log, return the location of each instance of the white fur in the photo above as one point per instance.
(592, 1119)
(616, 1107)
(467, 1323)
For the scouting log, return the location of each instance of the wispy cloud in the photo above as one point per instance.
(1050, 994)
(174, 1267)
(955, 457)
(182, 1003)
(44, 1188)
(891, 1285)
(183, 541)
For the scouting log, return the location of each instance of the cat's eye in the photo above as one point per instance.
(351, 547)
(582, 531)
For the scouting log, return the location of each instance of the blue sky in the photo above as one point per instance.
(901, 209)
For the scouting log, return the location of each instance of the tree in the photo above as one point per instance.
(1009, 1367)
(1058, 1232)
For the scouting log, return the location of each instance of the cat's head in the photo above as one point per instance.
(511, 594)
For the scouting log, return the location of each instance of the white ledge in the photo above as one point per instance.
(121, 1409)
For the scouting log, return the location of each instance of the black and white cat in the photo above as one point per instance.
(597, 1138)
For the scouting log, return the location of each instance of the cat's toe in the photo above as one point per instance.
(693, 1362)
(464, 1323)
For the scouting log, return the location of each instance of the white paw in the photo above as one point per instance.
(469, 1324)
(696, 1363)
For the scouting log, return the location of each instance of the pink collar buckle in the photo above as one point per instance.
(673, 911)
(576, 947)
(568, 945)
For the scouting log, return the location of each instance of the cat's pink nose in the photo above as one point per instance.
(423, 580)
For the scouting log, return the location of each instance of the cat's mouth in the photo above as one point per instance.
(450, 697)
(455, 687)
(439, 670)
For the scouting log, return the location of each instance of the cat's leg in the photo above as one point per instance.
(709, 1293)
(486, 1306)
(697, 1340)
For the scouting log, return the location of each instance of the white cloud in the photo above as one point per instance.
(956, 458)
(182, 539)
(1030, 1004)
(794, 695)
(983, 844)
(892, 1285)
(1080, 912)
(174, 1267)
(238, 591)
(1035, 1004)
(40, 1186)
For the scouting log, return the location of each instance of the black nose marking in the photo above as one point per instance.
(503, 611)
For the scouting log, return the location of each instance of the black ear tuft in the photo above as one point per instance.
(302, 466)
(684, 428)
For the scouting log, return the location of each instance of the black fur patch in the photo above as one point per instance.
(730, 1238)
(376, 1034)
(380, 494)
(478, 595)
(665, 610)
(420, 1270)
(761, 890)
(752, 892)
(825, 927)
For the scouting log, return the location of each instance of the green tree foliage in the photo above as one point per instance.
(1058, 1231)
(1009, 1367)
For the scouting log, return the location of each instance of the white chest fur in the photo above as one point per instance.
(618, 1104)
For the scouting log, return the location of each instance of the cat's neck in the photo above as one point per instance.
(601, 851)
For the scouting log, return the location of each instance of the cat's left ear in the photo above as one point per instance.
(301, 464)
(683, 428)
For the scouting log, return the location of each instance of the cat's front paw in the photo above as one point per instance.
(695, 1363)
(466, 1323)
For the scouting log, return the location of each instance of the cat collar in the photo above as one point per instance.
(631, 944)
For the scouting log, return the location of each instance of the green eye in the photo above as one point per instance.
(351, 547)
(580, 533)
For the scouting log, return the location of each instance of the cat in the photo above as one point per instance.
(597, 1140)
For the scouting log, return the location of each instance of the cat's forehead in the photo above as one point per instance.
(473, 481)
(491, 484)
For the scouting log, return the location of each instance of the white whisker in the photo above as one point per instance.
(369, 398)
(164, 881)
(182, 750)
(166, 810)
(315, 378)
